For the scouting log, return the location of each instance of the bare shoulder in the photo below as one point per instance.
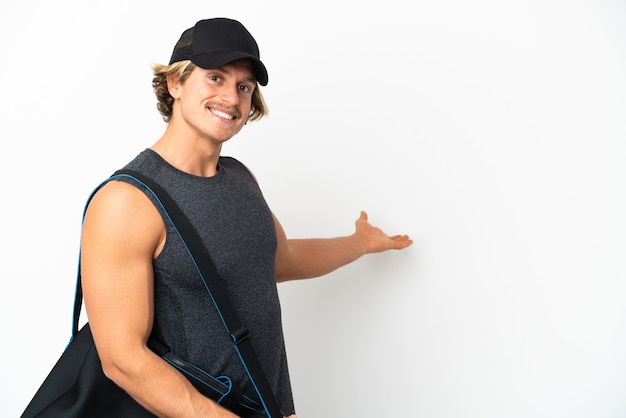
(121, 212)
(122, 233)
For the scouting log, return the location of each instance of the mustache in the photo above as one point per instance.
(226, 108)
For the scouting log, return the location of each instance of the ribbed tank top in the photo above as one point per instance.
(235, 224)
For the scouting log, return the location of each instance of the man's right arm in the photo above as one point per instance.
(122, 233)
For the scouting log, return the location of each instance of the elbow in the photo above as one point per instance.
(113, 370)
(121, 368)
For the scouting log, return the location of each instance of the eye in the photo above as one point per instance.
(245, 88)
(215, 78)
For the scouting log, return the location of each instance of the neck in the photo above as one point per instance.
(189, 154)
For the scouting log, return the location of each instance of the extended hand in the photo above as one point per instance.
(375, 240)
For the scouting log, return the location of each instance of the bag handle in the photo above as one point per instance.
(213, 283)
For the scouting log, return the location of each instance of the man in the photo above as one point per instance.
(137, 279)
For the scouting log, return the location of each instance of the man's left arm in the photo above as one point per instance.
(314, 257)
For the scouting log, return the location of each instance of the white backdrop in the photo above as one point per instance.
(492, 132)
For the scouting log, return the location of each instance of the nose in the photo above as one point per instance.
(230, 93)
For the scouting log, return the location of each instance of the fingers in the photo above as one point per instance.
(392, 242)
(400, 238)
(402, 241)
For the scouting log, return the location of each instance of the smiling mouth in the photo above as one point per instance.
(221, 114)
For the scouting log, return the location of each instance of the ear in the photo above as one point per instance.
(173, 86)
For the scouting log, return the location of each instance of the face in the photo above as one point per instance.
(214, 104)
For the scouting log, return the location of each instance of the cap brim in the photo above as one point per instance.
(216, 59)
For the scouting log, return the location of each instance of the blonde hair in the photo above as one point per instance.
(181, 70)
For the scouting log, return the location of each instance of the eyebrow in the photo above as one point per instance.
(251, 78)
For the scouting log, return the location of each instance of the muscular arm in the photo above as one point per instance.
(308, 258)
(122, 232)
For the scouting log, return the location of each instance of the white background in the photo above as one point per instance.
(493, 132)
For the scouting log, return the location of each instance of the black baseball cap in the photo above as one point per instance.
(212, 43)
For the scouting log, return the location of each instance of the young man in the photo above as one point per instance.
(137, 278)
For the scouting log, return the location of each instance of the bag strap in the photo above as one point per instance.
(213, 283)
